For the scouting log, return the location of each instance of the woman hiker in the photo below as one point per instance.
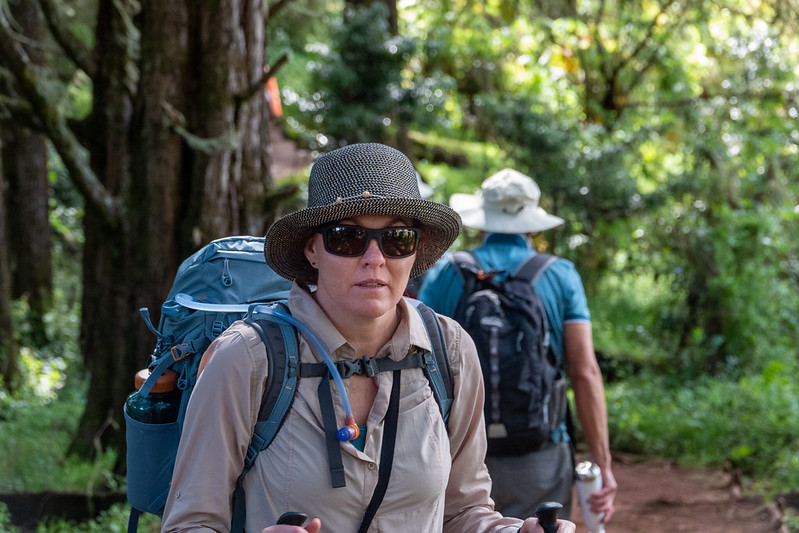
(365, 232)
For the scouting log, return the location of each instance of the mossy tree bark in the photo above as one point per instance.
(173, 154)
(28, 234)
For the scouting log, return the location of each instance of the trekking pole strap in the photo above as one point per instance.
(386, 454)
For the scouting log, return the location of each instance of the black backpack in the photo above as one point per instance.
(525, 385)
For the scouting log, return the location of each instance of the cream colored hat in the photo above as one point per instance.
(506, 203)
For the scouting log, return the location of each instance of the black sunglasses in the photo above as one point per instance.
(352, 241)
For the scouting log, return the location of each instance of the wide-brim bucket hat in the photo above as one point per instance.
(506, 203)
(359, 179)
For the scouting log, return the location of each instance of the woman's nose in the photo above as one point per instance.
(373, 253)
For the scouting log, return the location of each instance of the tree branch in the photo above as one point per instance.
(19, 110)
(52, 123)
(269, 71)
(275, 8)
(639, 48)
(70, 44)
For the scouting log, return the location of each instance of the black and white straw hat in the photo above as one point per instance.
(359, 179)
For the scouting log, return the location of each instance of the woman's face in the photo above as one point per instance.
(365, 286)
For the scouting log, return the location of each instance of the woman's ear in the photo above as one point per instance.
(312, 249)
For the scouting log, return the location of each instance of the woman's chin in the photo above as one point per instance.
(371, 308)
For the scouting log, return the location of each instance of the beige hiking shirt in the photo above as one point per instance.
(438, 482)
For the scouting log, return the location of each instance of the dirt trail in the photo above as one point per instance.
(658, 497)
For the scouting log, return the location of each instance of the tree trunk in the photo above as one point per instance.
(29, 237)
(25, 165)
(9, 351)
(184, 145)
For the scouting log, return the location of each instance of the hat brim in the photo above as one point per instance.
(474, 214)
(284, 244)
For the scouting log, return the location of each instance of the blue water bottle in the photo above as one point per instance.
(161, 406)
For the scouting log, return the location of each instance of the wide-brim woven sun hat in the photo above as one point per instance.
(506, 203)
(360, 179)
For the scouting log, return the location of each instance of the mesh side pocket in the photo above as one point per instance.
(150, 457)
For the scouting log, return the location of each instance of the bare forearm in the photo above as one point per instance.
(589, 390)
(589, 396)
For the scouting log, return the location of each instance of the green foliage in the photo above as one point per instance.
(750, 423)
(112, 520)
(628, 324)
(38, 422)
(357, 79)
(298, 23)
(36, 431)
(5, 520)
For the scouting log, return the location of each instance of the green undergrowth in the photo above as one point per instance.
(112, 520)
(749, 424)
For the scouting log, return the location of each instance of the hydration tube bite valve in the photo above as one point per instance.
(350, 431)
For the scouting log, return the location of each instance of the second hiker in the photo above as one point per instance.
(507, 213)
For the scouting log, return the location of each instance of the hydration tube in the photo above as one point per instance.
(350, 430)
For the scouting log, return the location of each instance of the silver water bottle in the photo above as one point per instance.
(588, 482)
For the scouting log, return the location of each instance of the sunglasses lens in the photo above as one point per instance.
(352, 241)
(345, 240)
(398, 242)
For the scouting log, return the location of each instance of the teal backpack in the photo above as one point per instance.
(225, 281)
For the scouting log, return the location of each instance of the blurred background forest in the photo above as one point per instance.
(665, 133)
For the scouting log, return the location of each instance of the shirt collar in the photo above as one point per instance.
(506, 239)
(410, 332)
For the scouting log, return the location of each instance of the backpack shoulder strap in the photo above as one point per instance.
(282, 344)
(471, 273)
(437, 369)
(461, 258)
(534, 266)
(282, 347)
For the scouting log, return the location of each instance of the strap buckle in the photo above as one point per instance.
(347, 369)
(369, 366)
(180, 351)
(365, 366)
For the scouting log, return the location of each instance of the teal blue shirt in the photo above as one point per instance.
(560, 286)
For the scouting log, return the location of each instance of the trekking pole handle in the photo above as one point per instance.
(293, 518)
(547, 514)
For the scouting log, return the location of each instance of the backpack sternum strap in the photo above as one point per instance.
(365, 366)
